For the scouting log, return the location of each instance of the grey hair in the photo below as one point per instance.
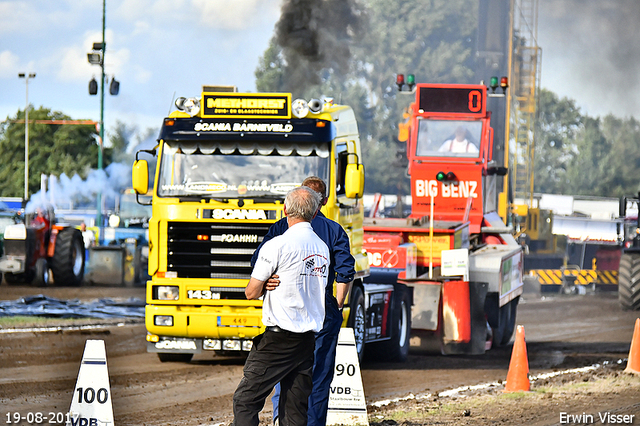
(302, 203)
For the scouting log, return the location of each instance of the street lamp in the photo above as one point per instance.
(26, 134)
(96, 57)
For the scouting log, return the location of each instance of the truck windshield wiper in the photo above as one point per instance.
(191, 198)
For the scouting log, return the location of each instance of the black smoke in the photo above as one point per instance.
(316, 35)
(591, 53)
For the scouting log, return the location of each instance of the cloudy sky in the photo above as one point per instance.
(162, 49)
(156, 49)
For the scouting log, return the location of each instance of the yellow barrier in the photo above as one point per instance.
(583, 277)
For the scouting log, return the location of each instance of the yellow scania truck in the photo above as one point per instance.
(224, 163)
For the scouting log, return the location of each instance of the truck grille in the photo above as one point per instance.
(213, 250)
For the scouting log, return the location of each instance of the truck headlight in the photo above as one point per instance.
(189, 105)
(211, 344)
(231, 345)
(300, 108)
(165, 292)
(163, 320)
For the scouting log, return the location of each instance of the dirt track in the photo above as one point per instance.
(38, 370)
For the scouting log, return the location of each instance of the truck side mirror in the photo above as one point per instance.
(140, 177)
(622, 207)
(354, 181)
(497, 170)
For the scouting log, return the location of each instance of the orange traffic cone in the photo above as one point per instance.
(633, 364)
(518, 375)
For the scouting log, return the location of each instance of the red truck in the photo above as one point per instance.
(467, 275)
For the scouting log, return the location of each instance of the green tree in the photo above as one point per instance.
(53, 149)
(556, 127)
(580, 155)
(119, 140)
(587, 172)
(620, 173)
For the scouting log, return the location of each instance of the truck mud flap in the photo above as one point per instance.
(428, 322)
(478, 324)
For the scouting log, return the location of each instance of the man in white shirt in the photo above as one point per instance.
(89, 239)
(459, 144)
(292, 313)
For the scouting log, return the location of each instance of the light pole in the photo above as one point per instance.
(26, 135)
(97, 58)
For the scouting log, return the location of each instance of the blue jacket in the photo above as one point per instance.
(342, 267)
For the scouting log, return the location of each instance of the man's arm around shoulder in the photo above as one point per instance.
(275, 229)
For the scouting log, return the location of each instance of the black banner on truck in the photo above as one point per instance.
(246, 105)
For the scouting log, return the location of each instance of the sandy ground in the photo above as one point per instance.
(38, 371)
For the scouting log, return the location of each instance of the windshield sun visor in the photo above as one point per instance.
(260, 148)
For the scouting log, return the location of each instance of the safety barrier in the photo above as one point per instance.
(550, 279)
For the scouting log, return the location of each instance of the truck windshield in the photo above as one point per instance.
(448, 138)
(235, 175)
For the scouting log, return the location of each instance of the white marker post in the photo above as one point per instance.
(347, 405)
(91, 401)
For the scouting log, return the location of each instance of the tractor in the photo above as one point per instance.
(38, 250)
(629, 270)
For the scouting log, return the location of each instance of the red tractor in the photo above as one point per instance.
(38, 246)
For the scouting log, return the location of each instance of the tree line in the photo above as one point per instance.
(57, 149)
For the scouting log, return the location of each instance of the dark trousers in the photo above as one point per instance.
(282, 357)
(325, 359)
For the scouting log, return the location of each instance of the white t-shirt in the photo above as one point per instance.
(89, 238)
(301, 260)
(454, 145)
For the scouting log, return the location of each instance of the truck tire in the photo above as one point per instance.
(503, 332)
(170, 357)
(67, 264)
(396, 349)
(629, 281)
(41, 278)
(357, 319)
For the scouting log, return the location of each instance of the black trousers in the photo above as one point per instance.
(283, 357)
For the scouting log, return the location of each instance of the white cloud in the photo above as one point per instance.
(117, 61)
(236, 15)
(141, 74)
(154, 11)
(16, 17)
(8, 64)
(73, 65)
(141, 27)
(217, 14)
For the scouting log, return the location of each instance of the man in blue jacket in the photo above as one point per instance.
(342, 271)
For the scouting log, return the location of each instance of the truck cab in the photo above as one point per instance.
(225, 162)
(468, 273)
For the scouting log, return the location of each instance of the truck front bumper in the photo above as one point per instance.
(192, 329)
